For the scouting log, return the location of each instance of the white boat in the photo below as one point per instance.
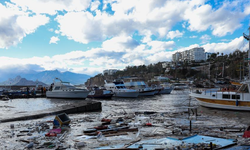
(119, 90)
(65, 90)
(166, 88)
(141, 87)
(180, 86)
(225, 98)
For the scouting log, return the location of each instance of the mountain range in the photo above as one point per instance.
(44, 76)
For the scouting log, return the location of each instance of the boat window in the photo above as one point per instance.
(235, 96)
(57, 88)
(227, 96)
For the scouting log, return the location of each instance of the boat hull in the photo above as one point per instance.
(165, 91)
(147, 93)
(222, 103)
(104, 96)
(67, 94)
(126, 94)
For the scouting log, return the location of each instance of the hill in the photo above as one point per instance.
(48, 76)
(22, 81)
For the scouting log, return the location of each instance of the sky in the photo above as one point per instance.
(89, 36)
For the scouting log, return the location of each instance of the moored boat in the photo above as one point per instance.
(141, 87)
(65, 90)
(166, 88)
(226, 98)
(119, 89)
(96, 92)
(180, 86)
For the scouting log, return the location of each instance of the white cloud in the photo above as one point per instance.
(226, 48)
(225, 19)
(161, 46)
(193, 36)
(174, 34)
(52, 6)
(54, 39)
(205, 38)
(82, 27)
(100, 58)
(94, 5)
(120, 44)
(148, 18)
(15, 24)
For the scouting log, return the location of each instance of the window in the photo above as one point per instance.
(235, 96)
(57, 88)
(226, 96)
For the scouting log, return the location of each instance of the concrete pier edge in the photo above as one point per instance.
(85, 106)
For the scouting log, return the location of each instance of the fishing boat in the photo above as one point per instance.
(180, 86)
(60, 89)
(96, 92)
(120, 90)
(166, 88)
(141, 87)
(225, 98)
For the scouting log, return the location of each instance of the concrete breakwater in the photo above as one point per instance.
(83, 106)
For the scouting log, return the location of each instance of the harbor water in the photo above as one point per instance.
(171, 107)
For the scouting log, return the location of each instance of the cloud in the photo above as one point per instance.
(148, 18)
(193, 36)
(99, 59)
(205, 38)
(221, 21)
(81, 27)
(15, 24)
(95, 5)
(54, 39)
(226, 48)
(145, 17)
(119, 44)
(51, 7)
(174, 34)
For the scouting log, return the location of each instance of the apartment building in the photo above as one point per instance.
(196, 54)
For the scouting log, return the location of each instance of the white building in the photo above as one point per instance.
(176, 57)
(196, 54)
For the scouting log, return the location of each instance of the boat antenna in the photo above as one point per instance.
(247, 37)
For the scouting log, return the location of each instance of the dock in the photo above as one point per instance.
(81, 107)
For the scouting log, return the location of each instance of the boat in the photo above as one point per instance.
(166, 88)
(96, 92)
(180, 86)
(141, 87)
(120, 90)
(60, 89)
(225, 98)
(4, 97)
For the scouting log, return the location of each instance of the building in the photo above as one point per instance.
(196, 54)
(208, 55)
(176, 57)
(110, 71)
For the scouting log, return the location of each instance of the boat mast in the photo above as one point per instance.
(247, 37)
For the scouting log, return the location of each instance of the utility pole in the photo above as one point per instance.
(248, 38)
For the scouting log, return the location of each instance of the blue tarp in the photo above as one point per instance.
(172, 142)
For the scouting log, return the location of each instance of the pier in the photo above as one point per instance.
(83, 106)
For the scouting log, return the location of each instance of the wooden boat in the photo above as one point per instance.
(225, 98)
